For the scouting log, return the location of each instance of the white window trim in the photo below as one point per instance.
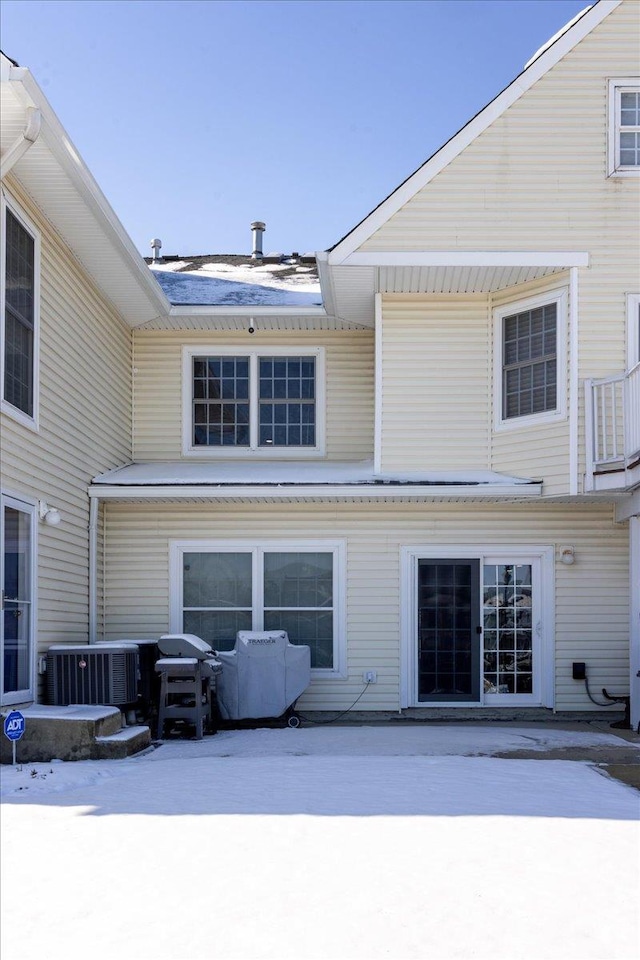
(28, 505)
(32, 423)
(618, 85)
(544, 678)
(253, 451)
(633, 330)
(560, 298)
(258, 547)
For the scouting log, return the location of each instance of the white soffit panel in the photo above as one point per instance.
(458, 279)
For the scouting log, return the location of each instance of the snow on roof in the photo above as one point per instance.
(240, 281)
(291, 472)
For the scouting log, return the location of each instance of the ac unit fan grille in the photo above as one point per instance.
(93, 677)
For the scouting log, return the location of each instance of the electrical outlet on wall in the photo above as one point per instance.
(370, 676)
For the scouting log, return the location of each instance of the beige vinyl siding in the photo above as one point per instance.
(435, 383)
(535, 179)
(591, 595)
(84, 428)
(158, 387)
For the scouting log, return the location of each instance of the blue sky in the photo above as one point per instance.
(197, 117)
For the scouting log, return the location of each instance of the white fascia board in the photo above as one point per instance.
(407, 190)
(327, 491)
(212, 310)
(629, 507)
(30, 95)
(470, 258)
(325, 276)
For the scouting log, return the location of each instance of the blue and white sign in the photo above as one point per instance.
(14, 725)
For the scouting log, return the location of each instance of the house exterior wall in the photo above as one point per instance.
(84, 427)
(591, 597)
(536, 179)
(158, 387)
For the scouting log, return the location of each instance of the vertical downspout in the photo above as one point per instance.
(634, 625)
(94, 506)
(574, 405)
(377, 415)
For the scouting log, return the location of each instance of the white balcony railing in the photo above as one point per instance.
(612, 407)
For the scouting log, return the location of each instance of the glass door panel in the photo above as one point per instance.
(17, 589)
(510, 650)
(448, 630)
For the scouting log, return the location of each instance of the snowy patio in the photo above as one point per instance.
(331, 843)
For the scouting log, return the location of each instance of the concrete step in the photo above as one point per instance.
(125, 743)
(60, 732)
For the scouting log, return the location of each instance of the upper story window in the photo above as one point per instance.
(530, 360)
(266, 402)
(19, 317)
(624, 127)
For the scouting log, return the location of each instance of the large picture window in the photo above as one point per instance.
(238, 402)
(221, 588)
(19, 321)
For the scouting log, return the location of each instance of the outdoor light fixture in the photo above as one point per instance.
(568, 555)
(49, 515)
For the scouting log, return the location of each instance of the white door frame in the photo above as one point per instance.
(541, 557)
(29, 506)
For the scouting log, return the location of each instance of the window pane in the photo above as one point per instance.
(298, 580)
(291, 382)
(221, 413)
(216, 627)
(508, 637)
(17, 596)
(529, 362)
(217, 580)
(312, 628)
(19, 316)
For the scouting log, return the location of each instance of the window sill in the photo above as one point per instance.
(522, 423)
(237, 453)
(29, 422)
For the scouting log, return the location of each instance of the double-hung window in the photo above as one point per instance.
(19, 317)
(268, 402)
(219, 588)
(530, 360)
(624, 127)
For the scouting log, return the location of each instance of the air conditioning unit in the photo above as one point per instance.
(92, 674)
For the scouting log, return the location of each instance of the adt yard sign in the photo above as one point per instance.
(14, 729)
(14, 725)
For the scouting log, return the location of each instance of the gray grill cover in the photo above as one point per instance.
(262, 676)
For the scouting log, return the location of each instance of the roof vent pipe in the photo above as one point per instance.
(156, 246)
(257, 229)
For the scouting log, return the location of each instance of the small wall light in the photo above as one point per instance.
(568, 555)
(49, 515)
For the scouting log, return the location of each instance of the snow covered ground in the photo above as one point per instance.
(334, 843)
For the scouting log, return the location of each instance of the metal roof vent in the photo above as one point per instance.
(257, 229)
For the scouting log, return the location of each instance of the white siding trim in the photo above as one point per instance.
(29, 505)
(558, 296)
(378, 386)
(491, 491)
(254, 451)
(7, 202)
(574, 360)
(633, 329)
(337, 547)
(523, 553)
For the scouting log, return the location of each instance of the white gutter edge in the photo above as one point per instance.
(26, 139)
(94, 506)
(203, 310)
(60, 144)
(329, 491)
